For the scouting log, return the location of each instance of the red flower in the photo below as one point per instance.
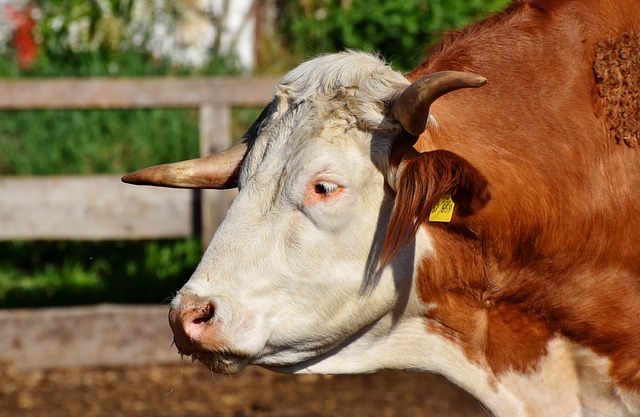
(23, 41)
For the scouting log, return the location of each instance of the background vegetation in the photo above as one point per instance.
(115, 141)
(400, 31)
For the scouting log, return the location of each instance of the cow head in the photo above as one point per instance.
(294, 278)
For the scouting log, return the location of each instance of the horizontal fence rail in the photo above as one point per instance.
(92, 207)
(85, 93)
(98, 207)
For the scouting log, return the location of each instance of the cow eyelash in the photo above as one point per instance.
(325, 188)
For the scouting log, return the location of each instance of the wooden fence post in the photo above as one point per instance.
(215, 136)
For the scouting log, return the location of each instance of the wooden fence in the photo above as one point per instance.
(101, 207)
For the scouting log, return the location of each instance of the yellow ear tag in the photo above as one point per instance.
(443, 210)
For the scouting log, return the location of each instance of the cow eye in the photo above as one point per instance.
(325, 188)
(321, 191)
(263, 124)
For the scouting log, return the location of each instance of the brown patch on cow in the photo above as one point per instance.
(494, 331)
(425, 179)
(516, 340)
(617, 74)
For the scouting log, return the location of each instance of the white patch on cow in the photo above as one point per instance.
(571, 381)
(291, 280)
(408, 345)
(433, 122)
(288, 279)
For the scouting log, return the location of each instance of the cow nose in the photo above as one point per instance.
(189, 320)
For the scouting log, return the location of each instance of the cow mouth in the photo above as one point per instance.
(226, 363)
(221, 360)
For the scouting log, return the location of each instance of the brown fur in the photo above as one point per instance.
(426, 178)
(555, 249)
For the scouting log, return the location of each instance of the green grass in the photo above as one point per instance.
(94, 141)
(75, 273)
(45, 142)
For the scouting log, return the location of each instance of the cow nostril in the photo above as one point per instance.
(205, 314)
(189, 321)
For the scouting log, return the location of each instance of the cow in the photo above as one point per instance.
(478, 217)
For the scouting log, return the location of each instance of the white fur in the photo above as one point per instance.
(290, 281)
(571, 381)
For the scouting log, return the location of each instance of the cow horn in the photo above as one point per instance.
(411, 107)
(215, 171)
(218, 171)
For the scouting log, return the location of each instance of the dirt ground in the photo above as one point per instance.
(192, 391)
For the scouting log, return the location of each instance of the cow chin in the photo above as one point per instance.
(222, 363)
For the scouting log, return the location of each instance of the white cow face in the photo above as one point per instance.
(292, 273)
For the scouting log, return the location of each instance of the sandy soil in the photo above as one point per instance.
(192, 391)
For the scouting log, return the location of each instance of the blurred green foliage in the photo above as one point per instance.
(75, 273)
(94, 141)
(399, 30)
(107, 63)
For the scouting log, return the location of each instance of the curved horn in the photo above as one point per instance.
(411, 107)
(219, 171)
(214, 171)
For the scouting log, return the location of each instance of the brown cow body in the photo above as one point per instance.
(556, 249)
(528, 297)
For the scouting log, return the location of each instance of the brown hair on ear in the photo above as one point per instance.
(425, 179)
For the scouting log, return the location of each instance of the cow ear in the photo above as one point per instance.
(421, 181)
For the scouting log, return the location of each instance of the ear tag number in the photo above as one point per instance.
(443, 210)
